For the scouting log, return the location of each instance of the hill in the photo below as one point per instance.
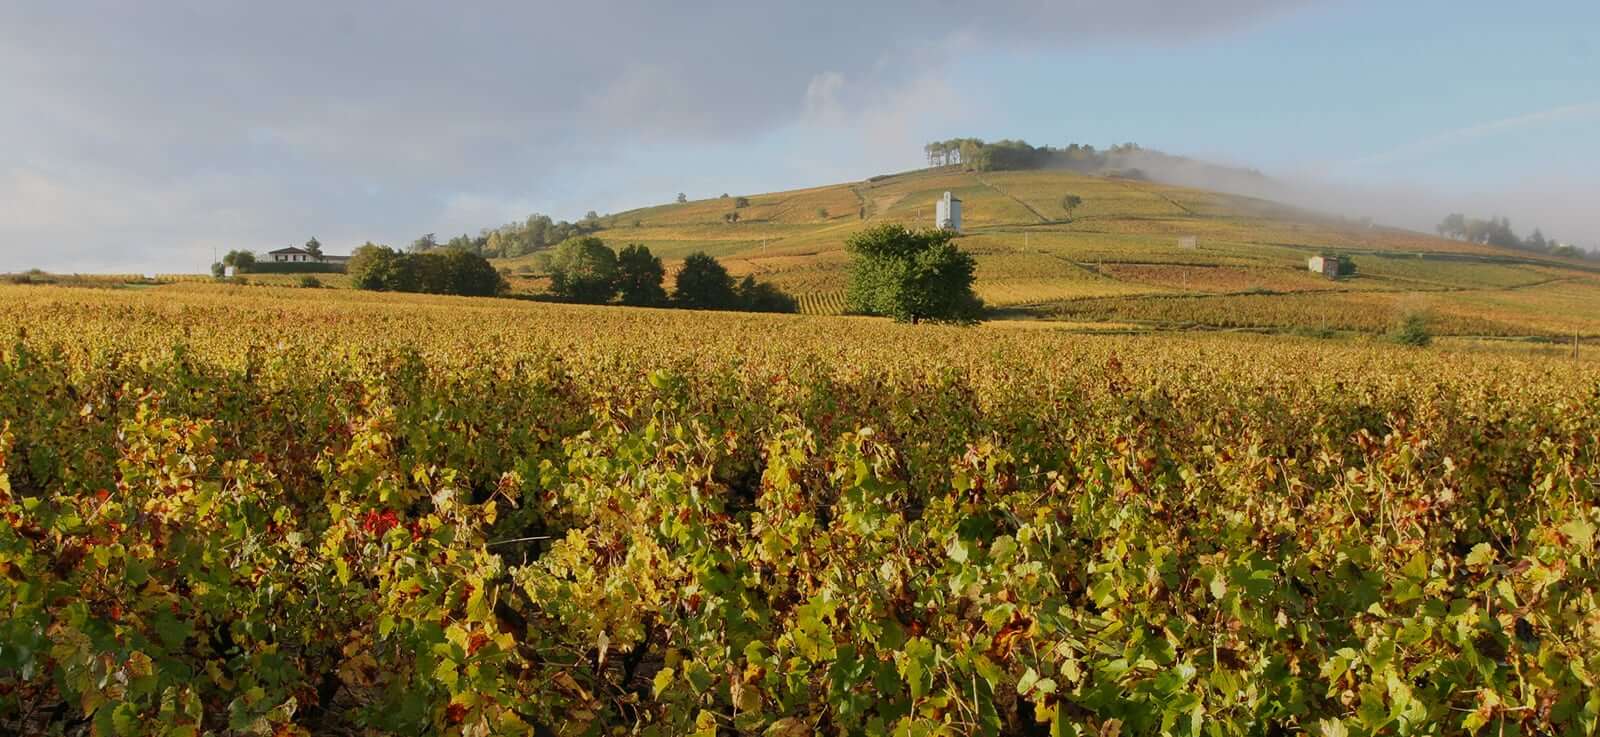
(1118, 258)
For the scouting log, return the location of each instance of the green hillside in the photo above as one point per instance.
(1118, 258)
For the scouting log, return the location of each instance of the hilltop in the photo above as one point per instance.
(1119, 257)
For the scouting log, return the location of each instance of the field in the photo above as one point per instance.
(262, 510)
(1123, 242)
(1117, 259)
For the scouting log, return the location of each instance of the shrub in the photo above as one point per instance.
(310, 282)
(1412, 330)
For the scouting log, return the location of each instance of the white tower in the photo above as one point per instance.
(947, 213)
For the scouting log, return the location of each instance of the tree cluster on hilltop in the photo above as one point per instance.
(1007, 155)
(1496, 231)
(585, 269)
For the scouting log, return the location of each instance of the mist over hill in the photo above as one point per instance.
(1313, 191)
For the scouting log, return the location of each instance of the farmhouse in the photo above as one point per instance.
(294, 255)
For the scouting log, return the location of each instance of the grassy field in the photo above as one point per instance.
(230, 509)
(1122, 245)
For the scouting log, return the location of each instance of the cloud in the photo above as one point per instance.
(1455, 137)
(138, 134)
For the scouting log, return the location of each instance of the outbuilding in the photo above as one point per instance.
(947, 213)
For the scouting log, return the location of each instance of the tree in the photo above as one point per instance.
(704, 284)
(431, 272)
(218, 270)
(424, 244)
(467, 243)
(822, 213)
(911, 276)
(639, 277)
(682, 198)
(469, 274)
(1071, 202)
(741, 202)
(1536, 241)
(755, 296)
(314, 247)
(241, 261)
(381, 268)
(1453, 226)
(583, 269)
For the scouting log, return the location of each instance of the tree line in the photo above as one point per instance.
(445, 270)
(1005, 155)
(1496, 231)
(535, 233)
(586, 270)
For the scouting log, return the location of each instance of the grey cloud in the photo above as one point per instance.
(322, 117)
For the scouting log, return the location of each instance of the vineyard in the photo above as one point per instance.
(1120, 257)
(267, 511)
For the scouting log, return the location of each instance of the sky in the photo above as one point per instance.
(149, 136)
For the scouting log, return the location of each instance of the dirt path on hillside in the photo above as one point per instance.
(1013, 198)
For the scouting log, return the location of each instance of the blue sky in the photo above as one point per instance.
(141, 138)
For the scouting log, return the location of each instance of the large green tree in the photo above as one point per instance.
(382, 269)
(704, 284)
(911, 276)
(639, 277)
(760, 296)
(583, 269)
(471, 275)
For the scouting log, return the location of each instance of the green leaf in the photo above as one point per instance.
(1581, 533)
(125, 719)
(446, 674)
(1219, 586)
(916, 666)
(957, 549)
(1332, 728)
(662, 682)
(1481, 557)
(699, 677)
(1025, 683)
